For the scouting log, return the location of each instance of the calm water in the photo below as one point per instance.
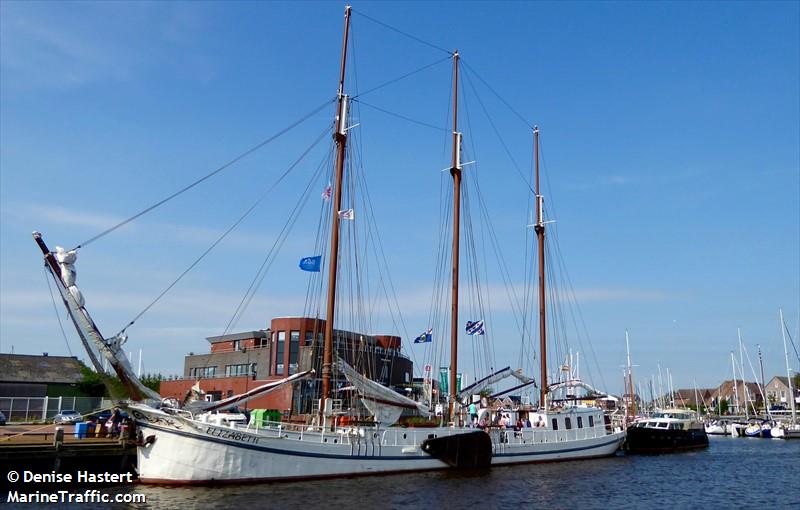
(731, 473)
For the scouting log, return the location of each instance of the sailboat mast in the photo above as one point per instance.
(455, 171)
(630, 377)
(763, 386)
(745, 392)
(788, 370)
(735, 385)
(539, 228)
(340, 137)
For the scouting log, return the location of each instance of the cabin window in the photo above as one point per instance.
(580, 422)
(568, 423)
(309, 337)
(662, 425)
(591, 421)
(555, 424)
(237, 344)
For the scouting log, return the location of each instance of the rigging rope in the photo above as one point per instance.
(499, 137)
(515, 112)
(402, 77)
(406, 34)
(270, 257)
(229, 230)
(55, 309)
(791, 341)
(207, 176)
(399, 116)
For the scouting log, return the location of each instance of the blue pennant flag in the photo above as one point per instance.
(425, 337)
(475, 328)
(311, 263)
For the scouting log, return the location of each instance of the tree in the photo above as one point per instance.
(91, 384)
(152, 381)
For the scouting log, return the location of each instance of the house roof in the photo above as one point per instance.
(782, 379)
(726, 390)
(40, 369)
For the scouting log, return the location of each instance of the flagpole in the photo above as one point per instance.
(455, 171)
(341, 141)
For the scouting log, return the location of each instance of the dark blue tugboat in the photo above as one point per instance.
(666, 431)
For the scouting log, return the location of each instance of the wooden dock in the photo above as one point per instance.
(44, 450)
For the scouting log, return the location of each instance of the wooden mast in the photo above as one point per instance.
(340, 136)
(455, 171)
(539, 228)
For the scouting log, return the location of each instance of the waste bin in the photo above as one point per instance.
(81, 430)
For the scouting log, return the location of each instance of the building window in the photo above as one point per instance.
(237, 370)
(294, 347)
(555, 424)
(203, 372)
(279, 352)
(237, 345)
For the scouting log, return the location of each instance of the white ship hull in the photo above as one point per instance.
(184, 451)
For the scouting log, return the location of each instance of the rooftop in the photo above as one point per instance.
(40, 369)
(263, 333)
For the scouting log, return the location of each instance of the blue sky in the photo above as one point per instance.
(669, 132)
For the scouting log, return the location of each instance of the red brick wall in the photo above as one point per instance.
(280, 399)
(227, 346)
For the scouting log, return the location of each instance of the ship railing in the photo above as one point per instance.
(534, 435)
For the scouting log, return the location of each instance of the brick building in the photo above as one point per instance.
(241, 361)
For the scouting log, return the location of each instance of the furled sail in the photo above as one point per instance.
(490, 379)
(62, 268)
(241, 398)
(385, 404)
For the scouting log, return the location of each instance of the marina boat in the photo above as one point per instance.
(718, 428)
(666, 431)
(738, 428)
(188, 446)
(757, 427)
(787, 429)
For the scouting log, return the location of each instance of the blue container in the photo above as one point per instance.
(81, 429)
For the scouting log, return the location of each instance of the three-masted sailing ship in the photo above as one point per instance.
(178, 446)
